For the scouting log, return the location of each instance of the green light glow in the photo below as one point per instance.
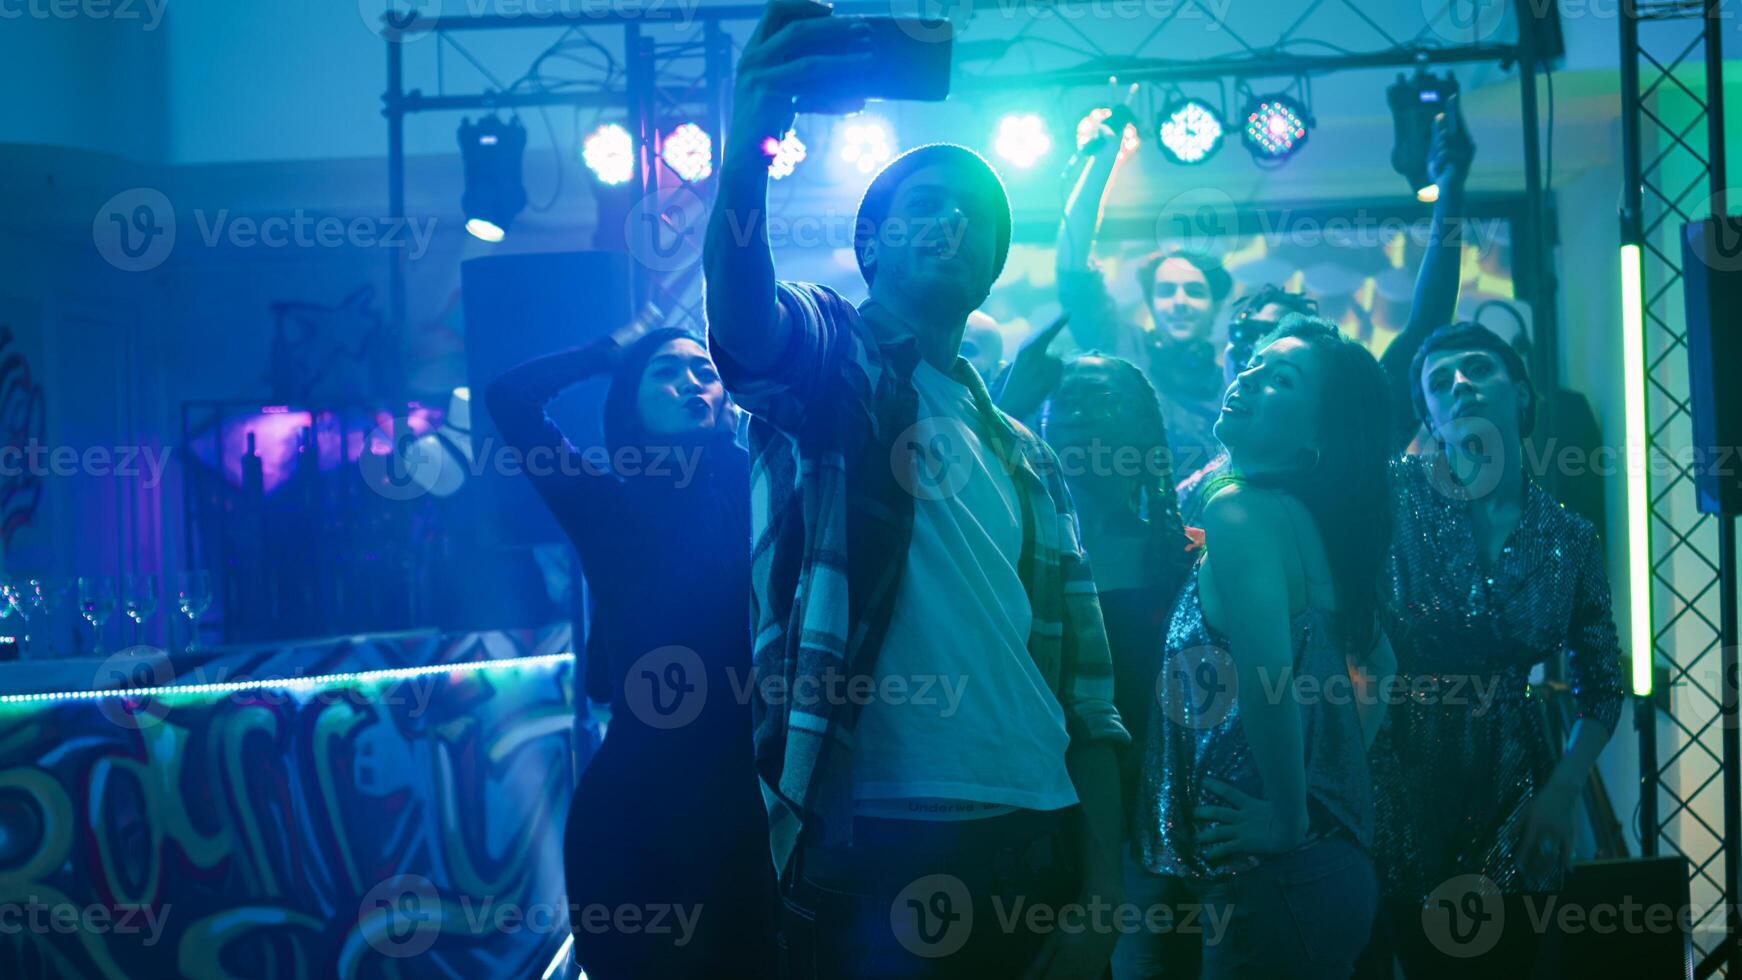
(1638, 500)
(364, 680)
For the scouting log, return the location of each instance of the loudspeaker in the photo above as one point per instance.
(1622, 918)
(1712, 274)
(519, 307)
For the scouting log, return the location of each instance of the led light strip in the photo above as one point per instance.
(300, 684)
(1638, 489)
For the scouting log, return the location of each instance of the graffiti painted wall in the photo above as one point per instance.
(370, 825)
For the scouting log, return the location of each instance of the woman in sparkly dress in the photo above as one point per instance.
(1255, 790)
(1488, 576)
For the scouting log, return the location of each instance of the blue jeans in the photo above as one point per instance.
(1304, 915)
(1172, 951)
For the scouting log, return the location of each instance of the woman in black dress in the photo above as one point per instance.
(667, 822)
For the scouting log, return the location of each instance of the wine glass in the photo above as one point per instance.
(193, 597)
(97, 603)
(13, 600)
(139, 601)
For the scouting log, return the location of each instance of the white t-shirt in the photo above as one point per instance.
(960, 723)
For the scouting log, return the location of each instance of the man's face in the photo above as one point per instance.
(1469, 393)
(1181, 302)
(938, 244)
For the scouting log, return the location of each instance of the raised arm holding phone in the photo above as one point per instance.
(906, 529)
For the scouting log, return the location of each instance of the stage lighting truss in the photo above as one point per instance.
(1275, 127)
(689, 152)
(1415, 102)
(609, 152)
(1022, 139)
(491, 151)
(784, 154)
(1190, 131)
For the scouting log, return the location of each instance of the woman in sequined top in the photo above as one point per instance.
(1255, 789)
(1488, 577)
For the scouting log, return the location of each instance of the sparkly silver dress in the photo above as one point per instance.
(1457, 763)
(1195, 734)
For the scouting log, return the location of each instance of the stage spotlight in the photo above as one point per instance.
(1415, 102)
(1190, 132)
(609, 153)
(784, 154)
(1276, 126)
(689, 152)
(1088, 124)
(865, 144)
(491, 151)
(1022, 139)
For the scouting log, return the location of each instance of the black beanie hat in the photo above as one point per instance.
(874, 206)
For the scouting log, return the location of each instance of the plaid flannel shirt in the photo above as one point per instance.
(832, 523)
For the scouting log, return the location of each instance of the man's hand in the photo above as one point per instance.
(796, 47)
(1449, 157)
(1034, 373)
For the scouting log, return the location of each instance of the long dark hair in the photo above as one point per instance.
(1347, 490)
(622, 415)
(1165, 561)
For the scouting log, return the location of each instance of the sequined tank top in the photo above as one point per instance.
(1195, 734)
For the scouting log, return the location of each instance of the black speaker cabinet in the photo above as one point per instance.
(1623, 918)
(1712, 277)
